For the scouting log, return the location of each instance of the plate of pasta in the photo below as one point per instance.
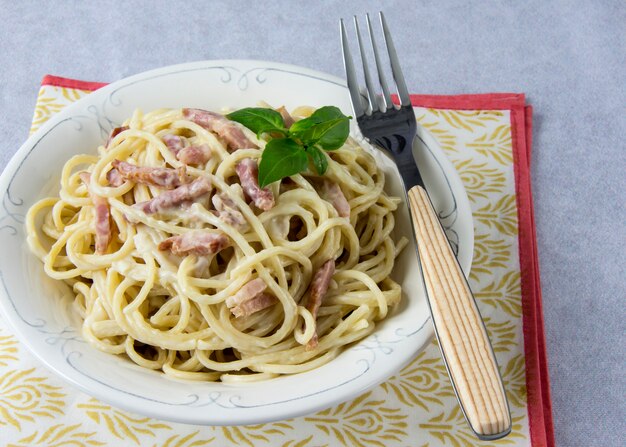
(214, 243)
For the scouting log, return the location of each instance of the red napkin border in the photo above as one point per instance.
(537, 377)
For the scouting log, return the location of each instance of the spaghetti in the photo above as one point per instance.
(179, 260)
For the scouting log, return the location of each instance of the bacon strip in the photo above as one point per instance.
(102, 214)
(174, 143)
(114, 178)
(194, 155)
(228, 212)
(317, 292)
(225, 128)
(287, 118)
(248, 172)
(184, 194)
(333, 194)
(115, 132)
(163, 177)
(250, 298)
(253, 305)
(198, 242)
(190, 155)
(247, 292)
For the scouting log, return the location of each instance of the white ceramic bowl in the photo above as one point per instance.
(39, 308)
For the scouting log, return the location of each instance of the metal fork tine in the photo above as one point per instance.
(353, 83)
(379, 67)
(372, 95)
(403, 92)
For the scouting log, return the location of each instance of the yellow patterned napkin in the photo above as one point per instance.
(486, 142)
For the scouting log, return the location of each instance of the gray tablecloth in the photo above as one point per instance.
(568, 57)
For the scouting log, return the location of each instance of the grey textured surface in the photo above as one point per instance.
(568, 57)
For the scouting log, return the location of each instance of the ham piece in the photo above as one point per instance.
(250, 298)
(189, 155)
(333, 194)
(183, 195)
(114, 178)
(174, 143)
(163, 177)
(194, 155)
(198, 242)
(102, 215)
(225, 128)
(228, 212)
(259, 302)
(317, 292)
(248, 291)
(248, 172)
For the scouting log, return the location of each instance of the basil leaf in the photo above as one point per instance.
(329, 135)
(258, 119)
(319, 159)
(281, 158)
(298, 127)
(327, 127)
(322, 114)
(327, 113)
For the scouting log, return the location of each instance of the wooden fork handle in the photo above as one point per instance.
(460, 330)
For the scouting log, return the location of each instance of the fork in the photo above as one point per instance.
(460, 330)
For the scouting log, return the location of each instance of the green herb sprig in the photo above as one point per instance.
(289, 151)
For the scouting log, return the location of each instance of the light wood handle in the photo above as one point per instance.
(461, 332)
